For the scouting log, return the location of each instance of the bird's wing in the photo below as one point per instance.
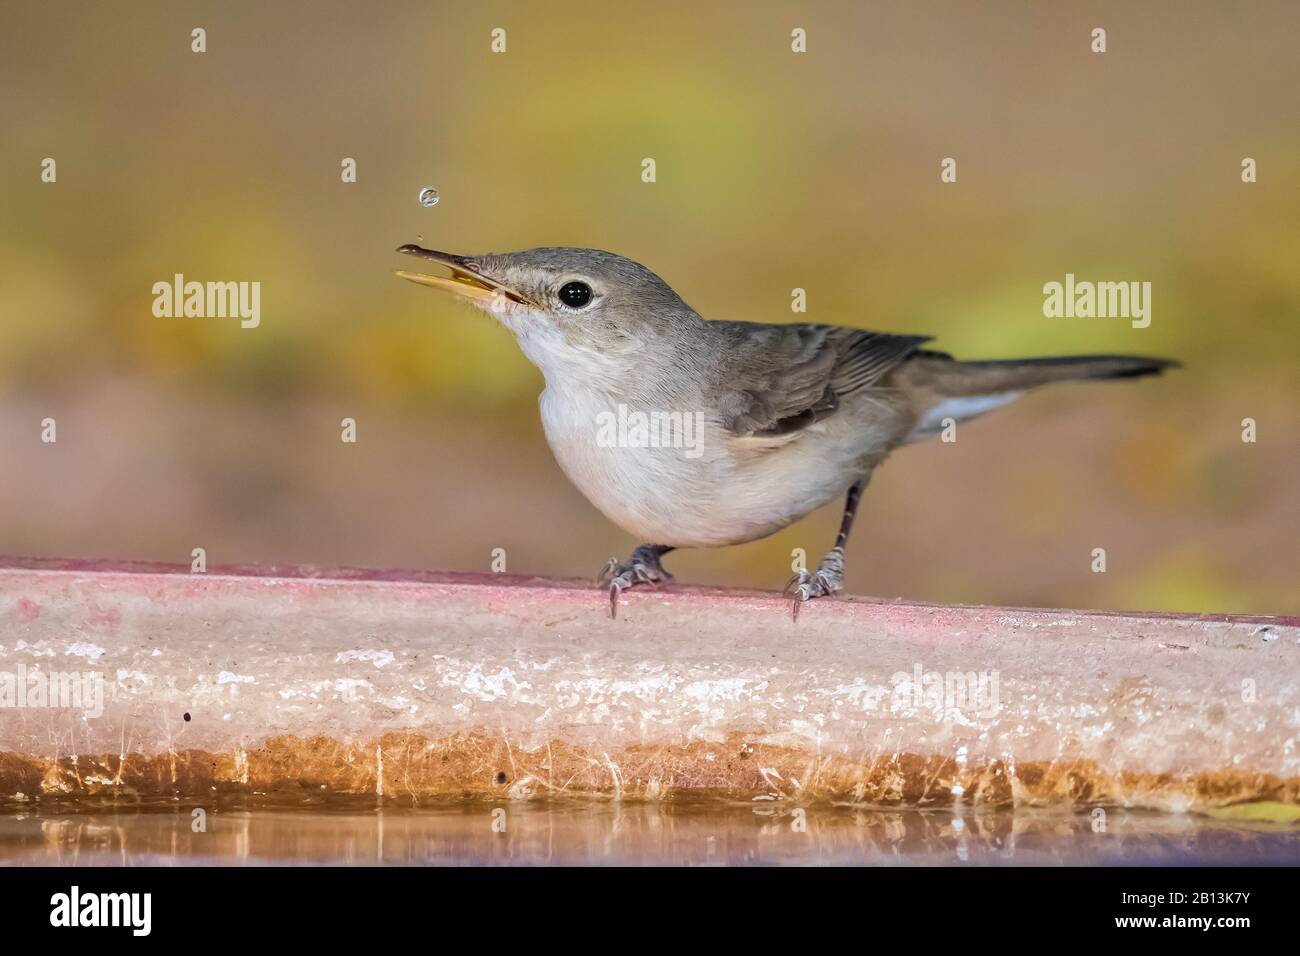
(781, 378)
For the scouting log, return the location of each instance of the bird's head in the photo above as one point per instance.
(563, 303)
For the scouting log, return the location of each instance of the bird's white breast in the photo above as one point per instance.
(718, 490)
(714, 493)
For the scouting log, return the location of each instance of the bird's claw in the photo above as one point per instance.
(621, 576)
(607, 573)
(807, 585)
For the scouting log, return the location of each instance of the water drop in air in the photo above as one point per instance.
(428, 196)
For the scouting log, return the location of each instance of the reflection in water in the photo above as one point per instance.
(678, 834)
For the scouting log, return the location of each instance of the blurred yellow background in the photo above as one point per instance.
(775, 170)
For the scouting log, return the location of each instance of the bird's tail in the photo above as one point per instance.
(947, 389)
(955, 378)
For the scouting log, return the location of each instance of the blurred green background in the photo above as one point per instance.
(775, 170)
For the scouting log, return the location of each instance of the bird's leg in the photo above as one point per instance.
(642, 567)
(829, 576)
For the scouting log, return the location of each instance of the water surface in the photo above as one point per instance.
(633, 834)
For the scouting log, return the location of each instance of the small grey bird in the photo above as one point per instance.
(691, 433)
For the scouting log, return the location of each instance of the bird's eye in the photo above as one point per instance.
(575, 294)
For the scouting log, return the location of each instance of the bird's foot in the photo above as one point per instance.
(643, 567)
(825, 581)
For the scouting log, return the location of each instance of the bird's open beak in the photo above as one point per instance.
(465, 281)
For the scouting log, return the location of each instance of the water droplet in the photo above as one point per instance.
(428, 196)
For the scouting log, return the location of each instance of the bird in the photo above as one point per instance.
(688, 432)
